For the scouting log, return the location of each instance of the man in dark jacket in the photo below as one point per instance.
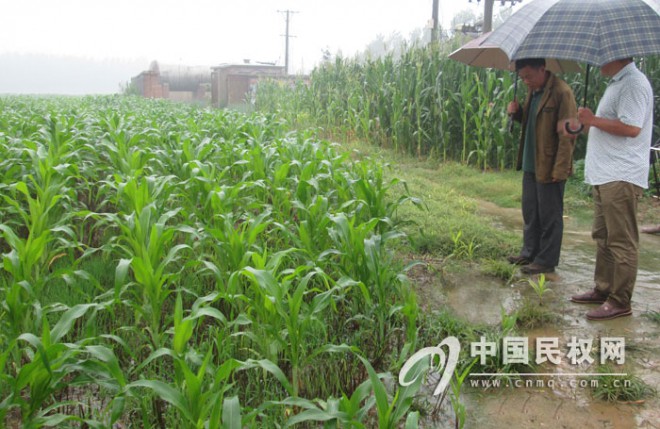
(546, 159)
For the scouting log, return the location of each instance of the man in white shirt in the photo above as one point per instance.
(617, 166)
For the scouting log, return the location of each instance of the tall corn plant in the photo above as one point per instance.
(148, 243)
(35, 224)
(422, 103)
(365, 259)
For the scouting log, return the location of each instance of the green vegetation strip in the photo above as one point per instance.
(170, 266)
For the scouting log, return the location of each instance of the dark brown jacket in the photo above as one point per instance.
(554, 154)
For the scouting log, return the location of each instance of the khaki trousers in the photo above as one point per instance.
(617, 239)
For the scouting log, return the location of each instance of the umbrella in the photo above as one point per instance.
(592, 31)
(481, 52)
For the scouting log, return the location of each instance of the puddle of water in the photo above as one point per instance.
(528, 408)
(480, 300)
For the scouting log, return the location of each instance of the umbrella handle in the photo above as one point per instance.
(509, 124)
(571, 131)
(586, 86)
(584, 104)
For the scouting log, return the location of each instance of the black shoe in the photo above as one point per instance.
(535, 268)
(518, 260)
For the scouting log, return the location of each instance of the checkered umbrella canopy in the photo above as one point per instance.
(478, 52)
(592, 31)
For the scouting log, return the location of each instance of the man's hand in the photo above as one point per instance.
(512, 108)
(610, 126)
(586, 116)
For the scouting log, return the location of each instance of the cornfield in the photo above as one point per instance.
(423, 103)
(167, 266)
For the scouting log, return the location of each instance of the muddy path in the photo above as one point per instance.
(560, 402)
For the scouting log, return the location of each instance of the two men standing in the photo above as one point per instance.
(616, 165)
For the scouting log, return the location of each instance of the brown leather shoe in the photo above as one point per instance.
(518, 260)
(609, 310)
(535, 268)
(655, 229)
(591, 297)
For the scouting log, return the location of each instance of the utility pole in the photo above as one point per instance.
(488, 16)
(488, 12)
(434, 17)
(286, 38)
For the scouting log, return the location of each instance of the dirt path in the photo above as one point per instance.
(560, 403)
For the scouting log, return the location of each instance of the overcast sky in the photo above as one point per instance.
(208, 32)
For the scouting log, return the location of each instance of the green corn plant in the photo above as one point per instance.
(345, 412)
(539, 286)
(121, 145)
(198, 396)
(235, 238)
(30, 258)
(148, 244)
(370, 399)
(40, 199)
(309, 231)
(373, 195)
(462, 248)
(52, 366)
(366, 260)
(294, 313)
(456, 385)
(390, 412)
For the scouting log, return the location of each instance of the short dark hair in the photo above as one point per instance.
(534, 63)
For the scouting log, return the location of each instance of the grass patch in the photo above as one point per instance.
(653, 316)
(71, 289)
(531, 315)
(621, 388)
(452, 221)
(500, 269)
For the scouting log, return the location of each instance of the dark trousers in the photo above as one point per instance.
(617, 238)
(543, 210)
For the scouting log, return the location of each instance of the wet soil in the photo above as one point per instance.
(562, 403)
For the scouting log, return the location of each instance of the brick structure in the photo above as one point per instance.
(149, 85)
(179, 83)
(228, 84)
(233, 84)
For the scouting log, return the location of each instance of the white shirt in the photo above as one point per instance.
(610, 158)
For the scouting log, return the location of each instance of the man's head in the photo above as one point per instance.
(532, 72)
(612, 68)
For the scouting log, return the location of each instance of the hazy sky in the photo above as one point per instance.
(209, 32)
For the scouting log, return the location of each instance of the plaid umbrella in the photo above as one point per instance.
(592, 31)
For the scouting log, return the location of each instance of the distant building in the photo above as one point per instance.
(180, 83)
(149, 84)
(235, 83)
(222, 86)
